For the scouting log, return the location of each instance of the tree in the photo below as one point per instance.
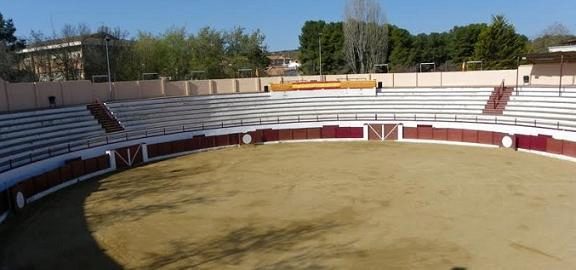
(331, 37)
(9, 43)
(499, 45)
(244, 50)
(400, 53)
(462, 41)
(365, 35)
(7, 38)
(123, 64)
(208, 53)
(553, 35)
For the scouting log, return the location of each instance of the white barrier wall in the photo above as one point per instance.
(127, 90)
(200, 88)
(44, 90)
(23, 96)
(176, 88)
(151, 89)
(72, 92)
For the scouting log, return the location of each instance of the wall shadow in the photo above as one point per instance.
(53, 234)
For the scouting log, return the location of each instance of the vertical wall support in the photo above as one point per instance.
(259, 85)
(187, 88)
(112, 157)
(163, 87)
(400, 132)
(144, 149)
(61, 87)
(211, 87)
(139, 85)
(561, 74)
(236, 86)
(5, 85)
(35, 96)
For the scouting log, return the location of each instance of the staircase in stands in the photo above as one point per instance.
(498, 100)
(105, 117)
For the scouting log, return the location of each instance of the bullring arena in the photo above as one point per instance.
(333, 173)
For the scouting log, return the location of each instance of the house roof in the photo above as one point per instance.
(551, 58)
(65, 42)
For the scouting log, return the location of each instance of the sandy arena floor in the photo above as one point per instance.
(310, 206)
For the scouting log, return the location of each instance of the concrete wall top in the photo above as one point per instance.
(77, 92)
(172, 89)
(22, 96)
(201, 87)
(127, 90)
(49, 89)
(25, 96)
(151, 89)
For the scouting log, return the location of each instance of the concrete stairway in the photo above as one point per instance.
(105, 117)
(498, 100)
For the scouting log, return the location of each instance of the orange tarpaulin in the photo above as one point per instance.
(294, 86)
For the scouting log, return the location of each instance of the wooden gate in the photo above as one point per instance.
(383, 132)
(128, 156)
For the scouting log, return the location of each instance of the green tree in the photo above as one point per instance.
(208, 53)
(9, 43)
(401, 54)
(244, 51)
(499, 45)
(462, 41)
(331, 36)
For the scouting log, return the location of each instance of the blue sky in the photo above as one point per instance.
(280, 20)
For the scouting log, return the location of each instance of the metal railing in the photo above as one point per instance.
(102, 140)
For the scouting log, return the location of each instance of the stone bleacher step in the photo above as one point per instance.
(108, 122)
(498, 100)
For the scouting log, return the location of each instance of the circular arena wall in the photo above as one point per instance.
(23, 185)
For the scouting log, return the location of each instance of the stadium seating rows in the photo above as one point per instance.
(24, 133)
(39, 134)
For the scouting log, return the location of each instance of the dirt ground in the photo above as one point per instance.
(310, 206)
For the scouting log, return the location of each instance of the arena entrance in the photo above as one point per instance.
(383, 132)
(128, 157)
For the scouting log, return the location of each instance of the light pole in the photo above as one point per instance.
(108, 65)
(320, 52)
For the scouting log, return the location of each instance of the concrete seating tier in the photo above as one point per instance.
(27, 133)
(181, 111)
(544, 105)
